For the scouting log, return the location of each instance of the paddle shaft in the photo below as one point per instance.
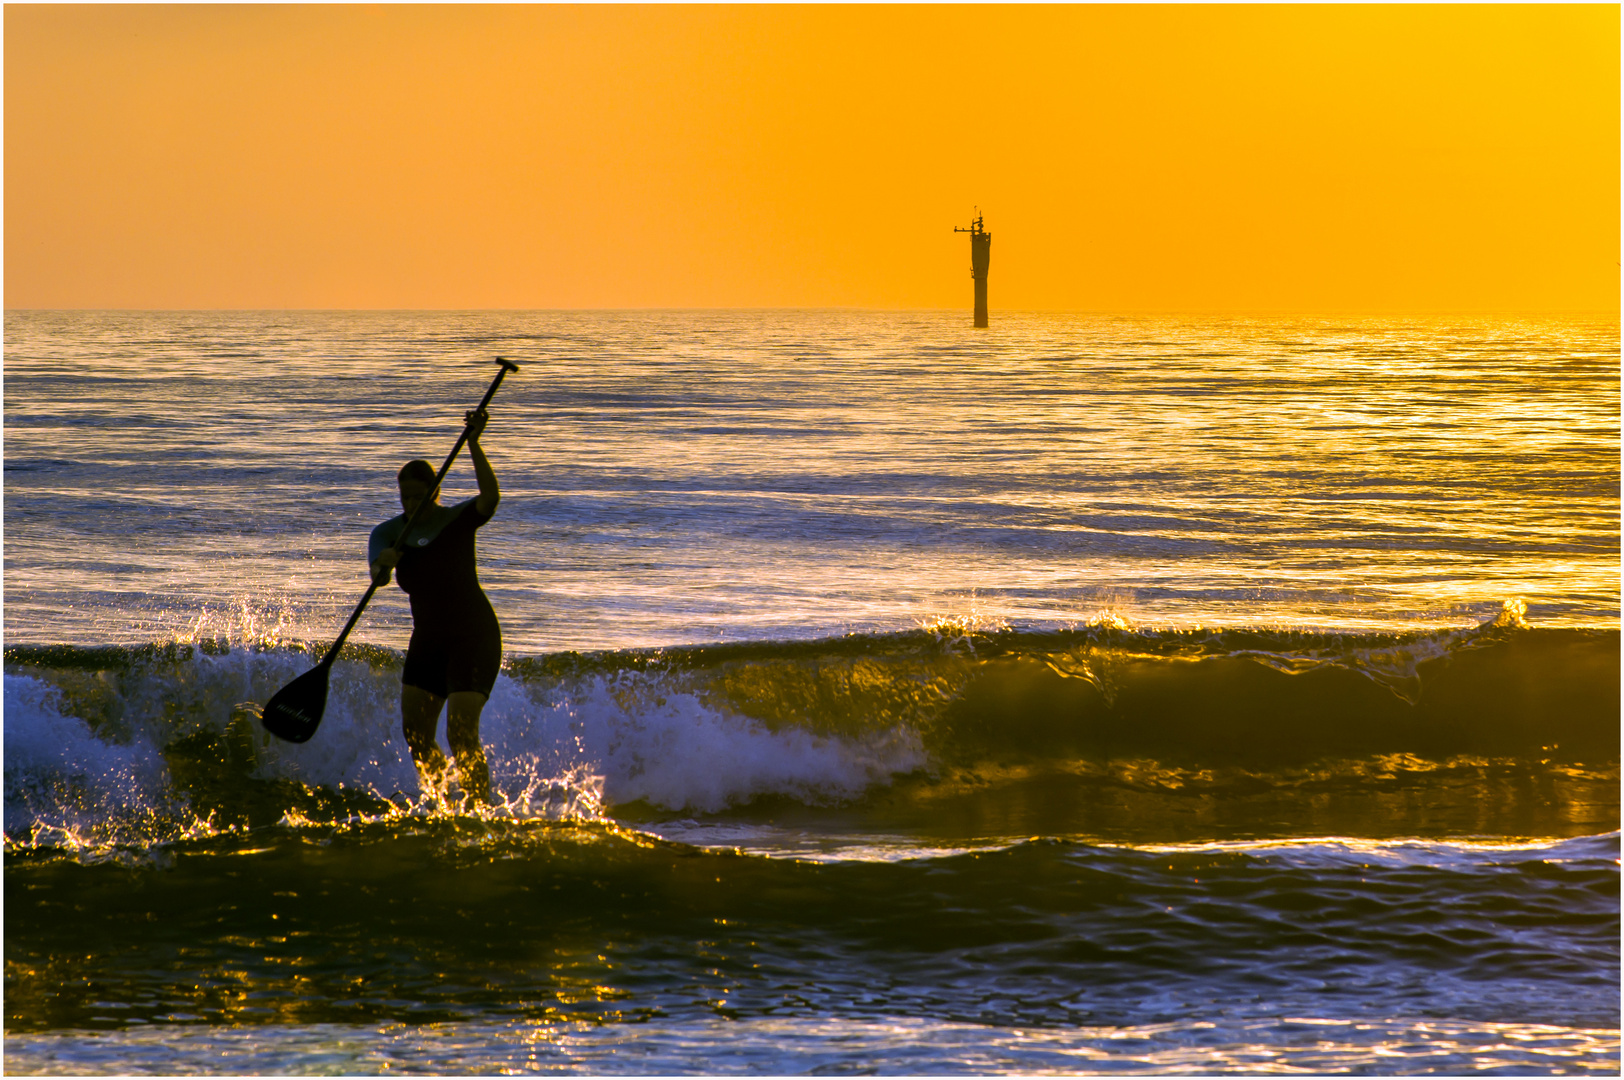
(332, 653)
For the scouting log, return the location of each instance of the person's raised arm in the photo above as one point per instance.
(489, 492)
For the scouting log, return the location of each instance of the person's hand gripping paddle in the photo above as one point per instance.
(295, 712)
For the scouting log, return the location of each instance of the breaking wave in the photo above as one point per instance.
(137, 744)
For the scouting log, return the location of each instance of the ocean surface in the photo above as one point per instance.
(1082, 694)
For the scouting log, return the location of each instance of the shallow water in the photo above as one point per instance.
(1087, 695)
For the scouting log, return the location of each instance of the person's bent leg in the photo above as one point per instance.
(420, 716)
(462, 731)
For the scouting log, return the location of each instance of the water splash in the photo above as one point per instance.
(959, 629)
(67, 787)
(1513, 615)
(248, 620)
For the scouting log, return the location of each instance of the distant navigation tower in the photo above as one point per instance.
(980, 258)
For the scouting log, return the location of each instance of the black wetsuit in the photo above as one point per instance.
(456, 641)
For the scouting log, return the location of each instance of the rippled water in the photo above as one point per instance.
(679, 477)
(1082, 695)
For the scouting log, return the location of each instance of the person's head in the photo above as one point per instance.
(416, 479)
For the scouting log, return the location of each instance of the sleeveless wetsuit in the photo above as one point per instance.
(456, 641)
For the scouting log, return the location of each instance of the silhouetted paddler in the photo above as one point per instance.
(456, 645)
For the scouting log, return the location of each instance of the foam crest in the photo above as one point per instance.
(563, 751)
(672, 750)
(359, 744)
(65, 786)
(103, 765)
(360, 748)
(961, 628)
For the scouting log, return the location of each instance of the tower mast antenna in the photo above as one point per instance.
(980, 259)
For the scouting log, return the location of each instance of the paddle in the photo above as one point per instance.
(295, 712)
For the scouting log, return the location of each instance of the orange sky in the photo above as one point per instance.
(1155, 158)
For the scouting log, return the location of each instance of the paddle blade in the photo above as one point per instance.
(295, 712)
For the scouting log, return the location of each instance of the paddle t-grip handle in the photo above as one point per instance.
(507, 366)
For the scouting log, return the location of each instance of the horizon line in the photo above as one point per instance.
(1614, 312)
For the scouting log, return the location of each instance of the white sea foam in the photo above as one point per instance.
(556, 750)
(69, 786)
(561, 750)
(359, 744)
(676, 752)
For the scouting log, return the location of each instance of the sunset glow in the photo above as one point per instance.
(1154, 158)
